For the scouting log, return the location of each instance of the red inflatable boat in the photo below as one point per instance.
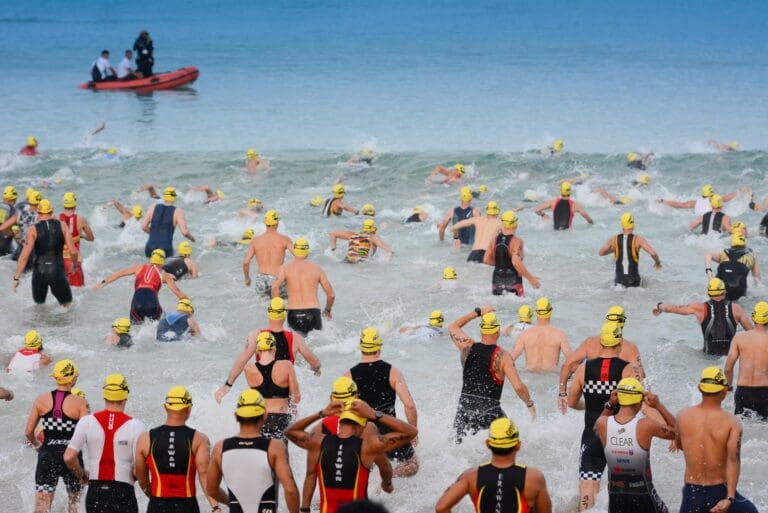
(157, 82)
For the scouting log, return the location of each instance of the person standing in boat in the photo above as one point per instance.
(144, 54)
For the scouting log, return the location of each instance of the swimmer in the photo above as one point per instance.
(710, 439)
(160, 222)
(182, 265)
(750, 350)
(121, 334)
(111, 154)
(178, 325)
(79, 229)
(366, 156)
(24, 218)
(625, 248)
(254, 162)
(334, 206)
(485, 366)
(254, 207)
(715, 220)
(506, 254)
(542, 343)
(368, 210)
(244, 240)
(30, 357)
(417, 216)
(302, 279)
(718, 317)
(501, 484)
(211, 196)
(465, 210)
(563, 209)
(316, 201)
(8, 210)
(269, 249)
(485, 228)
(642, 180)
(635, 161)
(30, 149)
(703, 205)
(451, 174)
(126, 215)
(449, 281)
(149, 278)
(479, 191)
(363, 244)
(525, 317)
(149, 189)
(731, 146)
(735, 265)
(555, 148)
(433, 328)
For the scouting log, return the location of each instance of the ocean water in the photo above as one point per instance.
(421, 83)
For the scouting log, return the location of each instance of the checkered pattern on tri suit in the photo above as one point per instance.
(599, 387)
(53, 424)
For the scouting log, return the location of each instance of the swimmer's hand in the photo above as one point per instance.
(562, 404)
(316, 371)
(247, 282)
(656, 311)
(651, 400)
(673, 446)
(486, 308)
(84, 478)
(544, 216)
(721, 507)
(327, 314)
(221, 392)
(532, 411)
(388, 487)
(99, 285)
(15, 284)
(507, 331)
(535, 283)
(657, 266)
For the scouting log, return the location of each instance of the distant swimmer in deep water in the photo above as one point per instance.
(121, 334)
(254, 162)
(30, 149)
(465, 210)
(731, 146)
(417, 216)
(363, 244)
(136, 212)
(702, 205)
(486, 228)
(524, 316)
(642, 181)
(505, 253)
(160, 222)
(102, 70)
(433, 328)
(178, 325)
(555, 148)
(625, 248)
(254, 206)
(182, 265)
(269, 248)
(715, 220)
(451, 174)
(635, 161)
(334, 206)
(244, 240)
(735, 265)
(365, 156)
(750, 349)
(563, 209)
(211, 196)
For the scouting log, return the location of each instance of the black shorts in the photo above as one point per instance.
(145, 305)
(163, 505)
(401, 454)
(632, 493)
(275, 425)
(51, 467)
(475, 414)
(504, 281)
(754, 399)
(700, 499)
(476, 255)
(6, 245)
(305, 320)
(627, 280)
(592, 459)
(110, 497)
(52, 277)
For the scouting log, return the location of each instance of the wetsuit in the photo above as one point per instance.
(305, 320)
(630, 482)
(414, 218)
(701, 499)
(479, 402)
(328, 207)
(48, 270)
(161, 230)
(341, 475)
(372, 379)
(124, 341)
(751, 398)
(466, 235)
(172, 469)
(176, 266)
(283, 345)
(500, 489)
(359, 248)
(764, 226)
(276, 422)
(626, 255)
(718, 327)
(505, 276)
(75, 279)
(562, 214)
(712, 222)
(250, 478)
(476, 255)
(601, 376)
(145, 303)
(57, 430)
(173, 327)
(734, 267)
(6, 243)
(636, 164)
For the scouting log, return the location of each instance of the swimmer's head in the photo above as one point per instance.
(122, 326)
(368, 210)
(738, 226)
(436, 319)
(137, 211)
(33, 340)
(760, 313)
(565, 189)
(69, 200)
(78, 392)
(28, 192)
(65, 372)
(459, 168)
(44, 207)
(9, 193)
(627, 221)
(251, 154)
(616, 314)
(370, 341)
(253, 202)
(169, 194)
(115, 388)
(301, 247)
(348, 414)
(558, 145)
(271, 218)
(112, 152)
(185, 306)
(503, 434)
(734, 145)
(482, 188)
(32, 141)
(716, 201)
(34, 197)
(632, 156)
(157, 257)
(716, 287)
(266, 341)
(492, 208)
(738, 240)
(707, 191)
(543, 308)
(178, 398)
(250, 404)
(276, 309)
(449, 273)
(712, 381)
(344, 389)
(525, 314)
(185, 248)
(611, 334)
(247, 236)
(465, 193)
(644, 179)
(366, 153)
(219, 194)
(489, 324)
(509, 219)
(417, 209)
(316, 201)
(338, 190)
(625, 200)
(369, 226)
(630, 391)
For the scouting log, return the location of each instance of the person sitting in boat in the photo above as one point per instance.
(124, 70)
(101, 69)
(145, 58)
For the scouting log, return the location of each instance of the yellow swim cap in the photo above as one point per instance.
(369, 226)
(625, 200)
(271, 218)
(266, 341)
(630, 391)
(627, 221)
(344, 389)
(459, 168)
(219, 194)
(252, 202)
(734, 145)
(449, 273)
(716, 201)
(368, 210)
(115, 388)
(33, 340)
(543, 308)
(712, 380)
(489, 324)
(558, 145)
(250, 404)
(137, 211)
(78, 392)
(716, 287)
(65, 372)
(28, 192)
(122, 326)
(644, 179)
(707, 191)
(509, 219)
(616, 314)
(370, 341)
(492, 208)
(436, 319)
(57, 180)
(738, 239)
(31, 141)
(178, 398)
(112, 151)
(69, 200)
(338, 190)
(44, 207)
(34, 197)
(248, 234)
(9, 193)
(611, 334)
(185, 248)
(251, 153)
(157, 257)
(367, 152)
(632, 156)
(169, 194)
(738, 226)
(482, 188)
(185, 305)
(760, 313)
(525, 314)
(276, 309)
(316, 201)
(417, 209)
(565, 189)
(465, 193)
(301, 247)
(503, 434)
(347, 414)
